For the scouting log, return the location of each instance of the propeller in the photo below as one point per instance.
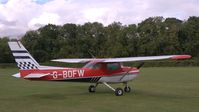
(140, 65)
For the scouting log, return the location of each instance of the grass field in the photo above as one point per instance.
(167, 89)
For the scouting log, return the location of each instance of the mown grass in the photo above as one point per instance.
(170, 89)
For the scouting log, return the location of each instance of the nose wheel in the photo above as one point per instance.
(127, 89)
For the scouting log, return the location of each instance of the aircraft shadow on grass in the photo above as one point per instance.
(61, 96)
(137, 94)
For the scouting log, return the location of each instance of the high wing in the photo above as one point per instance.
(77, 60)
(125, 59)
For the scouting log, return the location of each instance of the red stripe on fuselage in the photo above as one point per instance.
(60, 74)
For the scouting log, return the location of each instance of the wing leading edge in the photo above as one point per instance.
(125, 59)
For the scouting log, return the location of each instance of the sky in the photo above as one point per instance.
(19, 16)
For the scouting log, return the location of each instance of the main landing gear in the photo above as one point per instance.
(118, 91)
(92, 88)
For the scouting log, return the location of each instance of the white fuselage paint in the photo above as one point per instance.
(117, 78)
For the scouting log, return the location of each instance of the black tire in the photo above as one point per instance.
(119, 92)
(127, 89)
(91, 88)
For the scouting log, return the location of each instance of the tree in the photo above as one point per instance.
(189, 36)
(153, 36)
(5, 53)
(150, 35)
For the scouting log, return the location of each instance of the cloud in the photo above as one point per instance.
(43, 19)
(18, 16)
(3, 1)
(41, 1)
(8, 23)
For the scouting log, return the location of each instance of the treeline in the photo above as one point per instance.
(153, 36)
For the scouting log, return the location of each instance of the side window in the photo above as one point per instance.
(113, 66)
(97, 66)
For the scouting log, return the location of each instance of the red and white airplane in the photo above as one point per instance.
(97, 71)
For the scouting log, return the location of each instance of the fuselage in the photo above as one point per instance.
(91, 72)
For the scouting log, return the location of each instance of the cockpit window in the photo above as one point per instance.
(113, 66)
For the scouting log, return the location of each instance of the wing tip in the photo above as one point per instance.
(181, 57)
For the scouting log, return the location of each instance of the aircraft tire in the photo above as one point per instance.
(91, 88)
(119, 92)
(127, 89)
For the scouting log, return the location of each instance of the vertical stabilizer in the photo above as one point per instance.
(22, 57)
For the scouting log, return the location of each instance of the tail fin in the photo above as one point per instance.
(22, 57)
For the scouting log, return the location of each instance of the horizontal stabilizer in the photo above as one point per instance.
(35, 75)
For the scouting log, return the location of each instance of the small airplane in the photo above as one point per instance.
(96, 70)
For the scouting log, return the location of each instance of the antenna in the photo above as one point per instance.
(91, 54)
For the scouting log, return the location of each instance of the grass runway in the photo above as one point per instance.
(166, 89)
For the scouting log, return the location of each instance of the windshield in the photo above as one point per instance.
(93, 65)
